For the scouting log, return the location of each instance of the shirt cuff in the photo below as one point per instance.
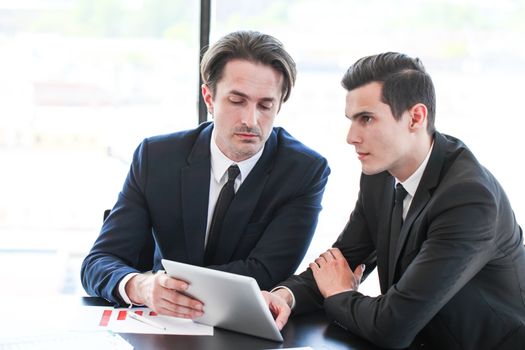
(122, 288)
(289, 291)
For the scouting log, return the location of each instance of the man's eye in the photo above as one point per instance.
(266, 106)
(235, 101)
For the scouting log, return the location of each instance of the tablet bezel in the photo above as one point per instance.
(231, 301)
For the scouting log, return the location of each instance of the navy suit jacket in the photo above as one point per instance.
(458, 277)
(163, 208)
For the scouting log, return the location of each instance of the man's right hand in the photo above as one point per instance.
(279, 303)
(164, 295)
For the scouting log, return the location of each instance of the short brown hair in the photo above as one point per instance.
(251, 46)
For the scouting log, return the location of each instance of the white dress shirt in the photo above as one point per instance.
(219, 174)
(411, 184)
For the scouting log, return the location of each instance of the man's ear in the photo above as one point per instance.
(207, 97)
(418, 117)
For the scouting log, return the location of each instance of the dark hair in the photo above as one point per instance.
(405, 82)
(251, 46)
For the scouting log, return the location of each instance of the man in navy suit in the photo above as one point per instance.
(166, 205)
(448, 249)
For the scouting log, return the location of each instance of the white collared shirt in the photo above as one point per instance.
(219, 174)
(411, 184)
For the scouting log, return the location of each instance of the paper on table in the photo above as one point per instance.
(44, 318)
(301, 348)
(66, 341)
(117, 320)
(66, 314)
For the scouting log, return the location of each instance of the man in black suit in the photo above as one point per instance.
(449, 252)
(167, 204)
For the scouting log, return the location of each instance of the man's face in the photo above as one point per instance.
(247, 99)
(381, 142)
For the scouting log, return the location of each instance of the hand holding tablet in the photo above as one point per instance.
(231, 301)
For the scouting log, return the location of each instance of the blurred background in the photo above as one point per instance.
(82, 82)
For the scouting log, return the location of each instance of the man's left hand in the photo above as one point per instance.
(333, 275)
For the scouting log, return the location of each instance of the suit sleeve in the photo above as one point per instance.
(125, 232)
(460, 240)
(287, 236)
(357, 246)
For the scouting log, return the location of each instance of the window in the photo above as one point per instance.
(470, 49)
(84, 81)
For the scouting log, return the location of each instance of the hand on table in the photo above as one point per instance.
(333, 275)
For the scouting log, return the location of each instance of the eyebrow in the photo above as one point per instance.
(359, 114)
(242, 94)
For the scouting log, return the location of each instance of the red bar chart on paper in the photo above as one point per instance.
(121, 315)
(146, 321)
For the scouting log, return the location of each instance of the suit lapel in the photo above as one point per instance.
(195, 182)
(429, 181)
(244, 203)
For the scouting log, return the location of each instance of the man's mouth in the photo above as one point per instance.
(246, 135)
(362, 155)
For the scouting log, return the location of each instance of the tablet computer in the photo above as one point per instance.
(231, 301)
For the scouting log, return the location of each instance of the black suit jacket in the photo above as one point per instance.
(458, 277)
(163, 208)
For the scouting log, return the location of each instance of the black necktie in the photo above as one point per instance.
(397, 219)
(221, 206)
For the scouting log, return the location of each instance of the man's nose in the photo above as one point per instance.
(249, 116)
(353, 137)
